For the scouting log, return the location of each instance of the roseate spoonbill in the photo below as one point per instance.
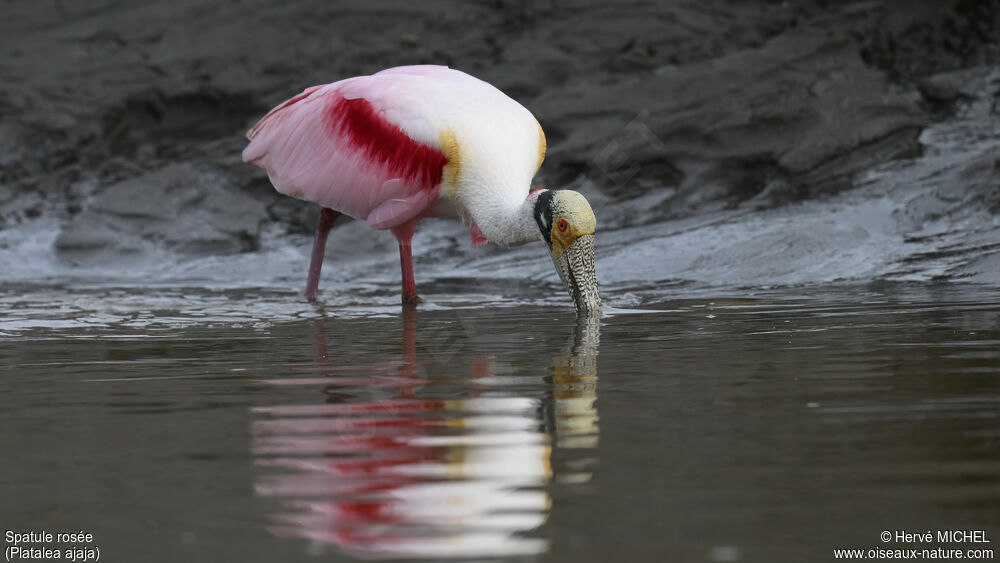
(423, 141)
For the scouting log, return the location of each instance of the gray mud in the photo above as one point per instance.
(741, 143)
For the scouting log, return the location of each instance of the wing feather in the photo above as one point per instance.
(356, 145)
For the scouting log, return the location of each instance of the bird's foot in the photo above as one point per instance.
(412, 300)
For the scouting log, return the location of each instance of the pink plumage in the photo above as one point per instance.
(343, 154)
(377, 148)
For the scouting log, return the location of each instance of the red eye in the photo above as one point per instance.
(562, 224)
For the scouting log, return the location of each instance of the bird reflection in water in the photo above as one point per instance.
(396, 463)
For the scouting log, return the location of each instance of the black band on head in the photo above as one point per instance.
(543, 214)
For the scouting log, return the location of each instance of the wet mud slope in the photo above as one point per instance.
(742, 143)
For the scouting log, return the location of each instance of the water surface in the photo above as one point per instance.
(202, 425)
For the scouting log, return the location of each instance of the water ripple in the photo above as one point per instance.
(399, 466)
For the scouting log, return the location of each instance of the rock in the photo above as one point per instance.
(803, 110)
(913, 39)
(984, 268)
(188, 209)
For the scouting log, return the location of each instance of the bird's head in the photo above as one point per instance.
(567, 224)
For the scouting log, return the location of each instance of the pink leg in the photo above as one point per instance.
(404, 234)
(326, 219)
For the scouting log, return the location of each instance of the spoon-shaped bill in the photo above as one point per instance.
(575, 265)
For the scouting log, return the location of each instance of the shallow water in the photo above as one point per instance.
(204, 425)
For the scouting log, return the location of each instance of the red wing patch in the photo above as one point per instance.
(384, 144)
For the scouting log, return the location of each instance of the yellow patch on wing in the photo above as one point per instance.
(541, 146)
(449, 179)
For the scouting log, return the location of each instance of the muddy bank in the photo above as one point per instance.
(121, 122)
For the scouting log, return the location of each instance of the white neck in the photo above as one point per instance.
(505, 221)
